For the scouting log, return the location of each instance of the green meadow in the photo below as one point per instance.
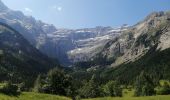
(33, 96)
(162, 97)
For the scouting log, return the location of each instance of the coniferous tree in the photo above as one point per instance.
(91, 89)
(60, 83)
(113, 89)
(144, 85)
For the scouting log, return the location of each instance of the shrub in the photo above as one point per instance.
(10, 89)
(163, 90)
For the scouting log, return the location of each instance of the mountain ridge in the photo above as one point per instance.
(137, 40)
(54, 42)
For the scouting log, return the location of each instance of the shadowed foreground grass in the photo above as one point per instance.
(33, 96)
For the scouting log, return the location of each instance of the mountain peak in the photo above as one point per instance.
(2, 6)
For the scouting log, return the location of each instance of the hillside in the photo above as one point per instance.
(132, 44)
(147, 50)
(19, 60)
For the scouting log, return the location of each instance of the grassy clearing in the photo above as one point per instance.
(33, 96)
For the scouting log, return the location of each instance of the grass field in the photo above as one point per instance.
(38, 96)
(167, 97)
(129, 95)
(33, 96)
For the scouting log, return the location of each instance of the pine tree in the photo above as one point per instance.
(113, 89)
(144, 85)
(91, 89)
(59, 83)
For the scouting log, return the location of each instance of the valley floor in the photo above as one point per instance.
(38, 96)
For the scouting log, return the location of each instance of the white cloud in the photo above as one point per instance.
(28, 10)
(58, 8)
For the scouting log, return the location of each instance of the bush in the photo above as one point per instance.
(163, 90)
(10, 89)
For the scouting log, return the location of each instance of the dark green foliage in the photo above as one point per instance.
(55, 82)
(152, 67)
(91, 89)
(112, 89)
(59, 82)
(144, 85)
(10, 89)
(150, 63)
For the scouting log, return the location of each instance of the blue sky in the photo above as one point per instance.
(88, 13)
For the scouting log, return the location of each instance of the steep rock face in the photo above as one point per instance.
(88, 47)
(136, 41)
(79, 45)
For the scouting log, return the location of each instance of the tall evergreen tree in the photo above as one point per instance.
(113, 89)
(144, 85)
(59, 82)
(91, 89)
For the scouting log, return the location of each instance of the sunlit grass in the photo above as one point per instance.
(33, 96)
(162, 97)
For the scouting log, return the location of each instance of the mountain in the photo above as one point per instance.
(135, 42)
(19, 60)
(65, 44)
(33, 30)
(142, 48)
(114, 45)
